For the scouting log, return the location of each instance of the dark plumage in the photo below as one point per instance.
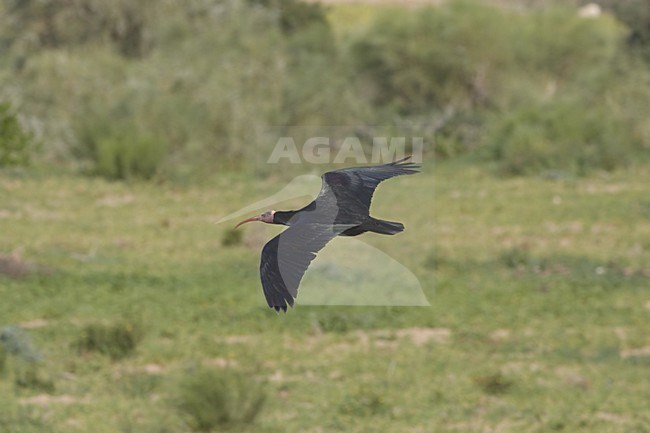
(342, 208)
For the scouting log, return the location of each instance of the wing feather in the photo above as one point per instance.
(286, 257)
(355, 186)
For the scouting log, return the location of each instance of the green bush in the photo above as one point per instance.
(114, 340)
(15, 142)
(296, 15)
(515, 257)
(16, 341)
(342, 321)
(29, 376)
(33, 25)
(210, 399)
(24, 368)
(316, 90)
(494, 383)
(211, 85)
(544, 89)
(559, 136)
(556, 45)
(117, 147)
(3, 359)
(126, 156)
(636, 16)
(140, 384)
(231, 238)
(428, 59)
(365, 401)
(209, 91)
(202, 89)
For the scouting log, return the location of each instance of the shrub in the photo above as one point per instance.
(543, 89)
(116, 341)
(493, 384)
(636, 16)
(211, 77)
(559, 136)
(210, 80)
(15, 341)
(125, 156)
(209, 399)
(54, 23)
(3, 359)
(341, 321)
(296, 15)
(556, 44)
(231, 237)
(515, 257)
(317, 91)
(140, 384)
(428, 59)
(28, 376)
(24, 371)
(119, 150)
(15, 142)
(364, 401)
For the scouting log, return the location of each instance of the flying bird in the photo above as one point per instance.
(342, 208)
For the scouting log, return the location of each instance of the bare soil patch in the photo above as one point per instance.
(14, 266)
(46, 400)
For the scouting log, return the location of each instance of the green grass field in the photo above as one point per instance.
(539, 317)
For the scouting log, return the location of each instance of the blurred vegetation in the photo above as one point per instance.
(211, 399)
(114, 340)
(3, 359)
(364, 402)
(20, 361)
(231, 238)
(493, 384)
(14, 140)
(171, 90)
(542, 90)
(15, 341)
(636, 16)
(121, 152)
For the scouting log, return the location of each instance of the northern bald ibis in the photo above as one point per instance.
(342, 208)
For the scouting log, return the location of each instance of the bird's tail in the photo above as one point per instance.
(386, 227)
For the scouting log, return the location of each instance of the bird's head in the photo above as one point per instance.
(266, 217)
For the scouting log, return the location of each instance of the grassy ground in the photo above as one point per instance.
(539, 315)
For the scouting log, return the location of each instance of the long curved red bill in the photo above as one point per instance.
(247, 220)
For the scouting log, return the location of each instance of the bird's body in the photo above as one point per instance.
(342, 208)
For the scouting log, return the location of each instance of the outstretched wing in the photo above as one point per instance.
(286, 257)
(355, 186)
